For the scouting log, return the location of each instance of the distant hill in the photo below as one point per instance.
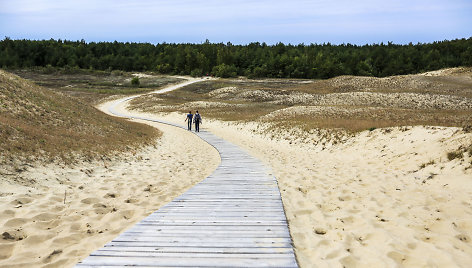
(38, 123)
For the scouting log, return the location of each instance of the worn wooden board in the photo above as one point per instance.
(234, 218)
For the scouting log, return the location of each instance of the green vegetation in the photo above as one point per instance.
(135, 82)
(227, 60)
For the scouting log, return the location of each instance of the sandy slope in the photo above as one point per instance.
(369, 202)
(38, 228)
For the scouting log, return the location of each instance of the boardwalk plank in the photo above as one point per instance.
(234, 218)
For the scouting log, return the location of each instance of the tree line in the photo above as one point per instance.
(228, 60)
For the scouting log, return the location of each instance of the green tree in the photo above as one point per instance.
(224, 70)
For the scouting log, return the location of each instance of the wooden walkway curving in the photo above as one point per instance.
(234, 218)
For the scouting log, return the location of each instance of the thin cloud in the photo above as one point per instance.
(194, 20)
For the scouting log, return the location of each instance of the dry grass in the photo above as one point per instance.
(442, 98)
(37, 123)
(91, 86)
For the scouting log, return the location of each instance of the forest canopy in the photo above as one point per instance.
(227, 60)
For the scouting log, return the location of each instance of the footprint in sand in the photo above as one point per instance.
(110, 195)
(7, 214)
(99, 205)
(131, 200)
(324, 243)
(349, 261)
(45, 217)
(334, 254)
(47, 225)
(348, 220)
(344, 198)
(304, 212)
(57, 198)
(38, 239)
(52, 256)
(397, 257)
(75, 227)
(103, 209)
(90, 200)
(6, 250)
(68, 240)
(21, 201)
(127, 214)
(72, 218)
(16, 222)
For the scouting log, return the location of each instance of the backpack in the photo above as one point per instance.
(198, 118)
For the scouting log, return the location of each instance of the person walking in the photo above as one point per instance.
(189, 120)
(197, 119)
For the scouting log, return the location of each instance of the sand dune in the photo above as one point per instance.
(65, 213)
(383, 198)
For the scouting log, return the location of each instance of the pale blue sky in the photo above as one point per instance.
(238, 21)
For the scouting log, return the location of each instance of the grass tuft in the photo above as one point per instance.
(40, 123)
(454, 155)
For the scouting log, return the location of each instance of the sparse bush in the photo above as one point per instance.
(135, 82)
(49, 69)
(467, 128)
(453, 155)
(196, 72)
(432, 162)
(372, 128)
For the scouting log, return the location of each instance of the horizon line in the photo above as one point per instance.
(207, 41)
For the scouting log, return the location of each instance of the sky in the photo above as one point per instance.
(238, 21)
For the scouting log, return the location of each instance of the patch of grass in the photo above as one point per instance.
(95, 85)
(432, 162)
(37, 122)
(453, 155)
(270, 100)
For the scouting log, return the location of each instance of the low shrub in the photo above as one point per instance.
(453, 155)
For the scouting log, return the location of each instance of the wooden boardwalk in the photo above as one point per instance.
(234, 218)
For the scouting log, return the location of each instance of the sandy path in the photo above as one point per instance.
(38, 228)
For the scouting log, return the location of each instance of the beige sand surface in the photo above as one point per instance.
(38, 228)
(385, 198)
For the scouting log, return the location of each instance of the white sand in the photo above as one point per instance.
(367, 202)
(104, 198)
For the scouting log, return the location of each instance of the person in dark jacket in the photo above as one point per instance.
(197, 119)
(189, 118)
